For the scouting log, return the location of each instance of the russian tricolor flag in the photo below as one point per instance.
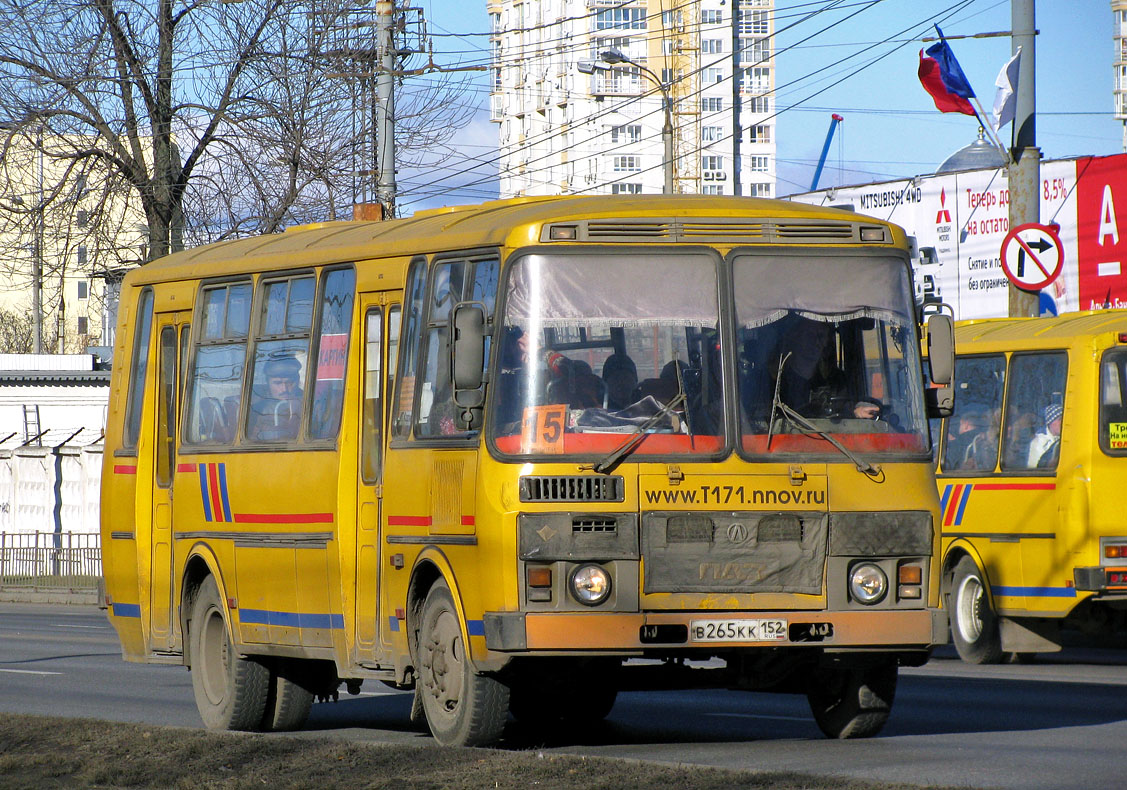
(943, 78)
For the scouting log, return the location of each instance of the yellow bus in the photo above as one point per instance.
(1033, 532)
(495, 453)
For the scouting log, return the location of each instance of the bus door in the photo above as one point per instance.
(381, 333)
(172, 335)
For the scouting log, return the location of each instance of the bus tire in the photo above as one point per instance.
(853, 702)
(462, 707)
(974, 625)
(287, 702)
(230, 691)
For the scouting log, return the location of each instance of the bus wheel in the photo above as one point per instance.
(230, 691)
(462, 707)
(974, 626)
(853, 702)
(287, 703)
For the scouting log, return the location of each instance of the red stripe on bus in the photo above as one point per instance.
(216, 501)
(467, 521)
(185, 467)
(124, 469)
(409, 521)
(1014, 486)
(284, 518)
(953, 505)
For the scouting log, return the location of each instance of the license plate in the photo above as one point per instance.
(738, 630)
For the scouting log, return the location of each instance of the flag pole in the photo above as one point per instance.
(980, 114)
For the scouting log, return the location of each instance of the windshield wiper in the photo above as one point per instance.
(777, 405)
(615, 456)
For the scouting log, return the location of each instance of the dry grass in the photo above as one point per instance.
(46, 753)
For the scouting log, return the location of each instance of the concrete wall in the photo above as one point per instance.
(50, 490)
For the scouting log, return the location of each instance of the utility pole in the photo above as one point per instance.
(1025, 170)
(737, 186)
(385, 106)
(37, 259)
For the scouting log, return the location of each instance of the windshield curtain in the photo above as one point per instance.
(597, 347)
(827, 344)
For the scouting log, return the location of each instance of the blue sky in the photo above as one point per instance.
(860, 60)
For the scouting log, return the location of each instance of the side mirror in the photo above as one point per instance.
(941, 364)
(468, 331)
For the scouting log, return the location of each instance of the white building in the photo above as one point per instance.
(563, 131)
(1119, 12)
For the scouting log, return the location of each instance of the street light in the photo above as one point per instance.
(613, 57)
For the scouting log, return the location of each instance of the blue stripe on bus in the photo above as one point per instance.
(291, 619)
(943, 500)
(393, 623)
(475, 627)
(126, 609)
(204, 493)
(963, 504)
(1036, 592)
(223, 492)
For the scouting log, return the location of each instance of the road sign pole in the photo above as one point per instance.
(1025, 169)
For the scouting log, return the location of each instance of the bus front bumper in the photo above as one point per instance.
(636, 632)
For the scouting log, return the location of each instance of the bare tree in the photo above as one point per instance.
(235, 112)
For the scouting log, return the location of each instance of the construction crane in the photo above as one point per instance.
(835, 119)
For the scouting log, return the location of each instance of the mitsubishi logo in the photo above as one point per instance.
(943, 215)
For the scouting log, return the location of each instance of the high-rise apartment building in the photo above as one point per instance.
(564, 131)
(1119, 11)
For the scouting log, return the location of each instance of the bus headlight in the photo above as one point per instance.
(867, 583)
(590, 584)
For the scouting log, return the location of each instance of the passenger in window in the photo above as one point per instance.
(961, 431)
(1045, 446)
(1019, 433)
(620, 376)
(276, 411)
(982, 452)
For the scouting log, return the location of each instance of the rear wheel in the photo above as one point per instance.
(230, 691)
(288, 702)
(462, 707)
(853, 702)
(974, 625)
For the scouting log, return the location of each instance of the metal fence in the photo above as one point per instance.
(50, 560)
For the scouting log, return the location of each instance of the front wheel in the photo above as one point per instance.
(462, 707)
(230, 691)
(853, 702)
(974, 625)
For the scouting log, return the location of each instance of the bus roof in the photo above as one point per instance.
(1006, 334)
(515, 222)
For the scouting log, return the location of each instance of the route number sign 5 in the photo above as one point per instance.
(542, 429)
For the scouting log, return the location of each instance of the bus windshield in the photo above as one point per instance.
(598, 347)
(828, 351)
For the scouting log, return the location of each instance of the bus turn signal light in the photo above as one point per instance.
(1114, 551)
(539, 577)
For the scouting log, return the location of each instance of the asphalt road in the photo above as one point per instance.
(1058, 723)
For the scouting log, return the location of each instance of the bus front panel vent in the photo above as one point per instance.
(571, 488)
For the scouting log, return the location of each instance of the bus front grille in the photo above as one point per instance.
(570, 488)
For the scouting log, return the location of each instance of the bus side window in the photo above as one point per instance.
(436, 401)
(215, 384)
(972, 430)
(137, 370)
(372, 416)
(332, 352)
(408, 359)
(1034, 408)
(281, 360)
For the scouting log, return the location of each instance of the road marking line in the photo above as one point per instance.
(759, 716)
(29, 672)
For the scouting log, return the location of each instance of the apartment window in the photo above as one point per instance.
(626, 134)
(712, 46)
(754, 22)
(495, 23)
(712, 189)
(710, 134)
(667, 46)
(626, 189)
(758, 190)
(713, 75)
(759, 104)
(83, 289)
(712, 162)
(756, 51)
(759, 164)
(627, 164)
(620, 19)
(760, 133)
(712, 17)
(82, 325)
(82, 217)
(711, 104)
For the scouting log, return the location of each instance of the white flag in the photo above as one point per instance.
(1005, 99)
